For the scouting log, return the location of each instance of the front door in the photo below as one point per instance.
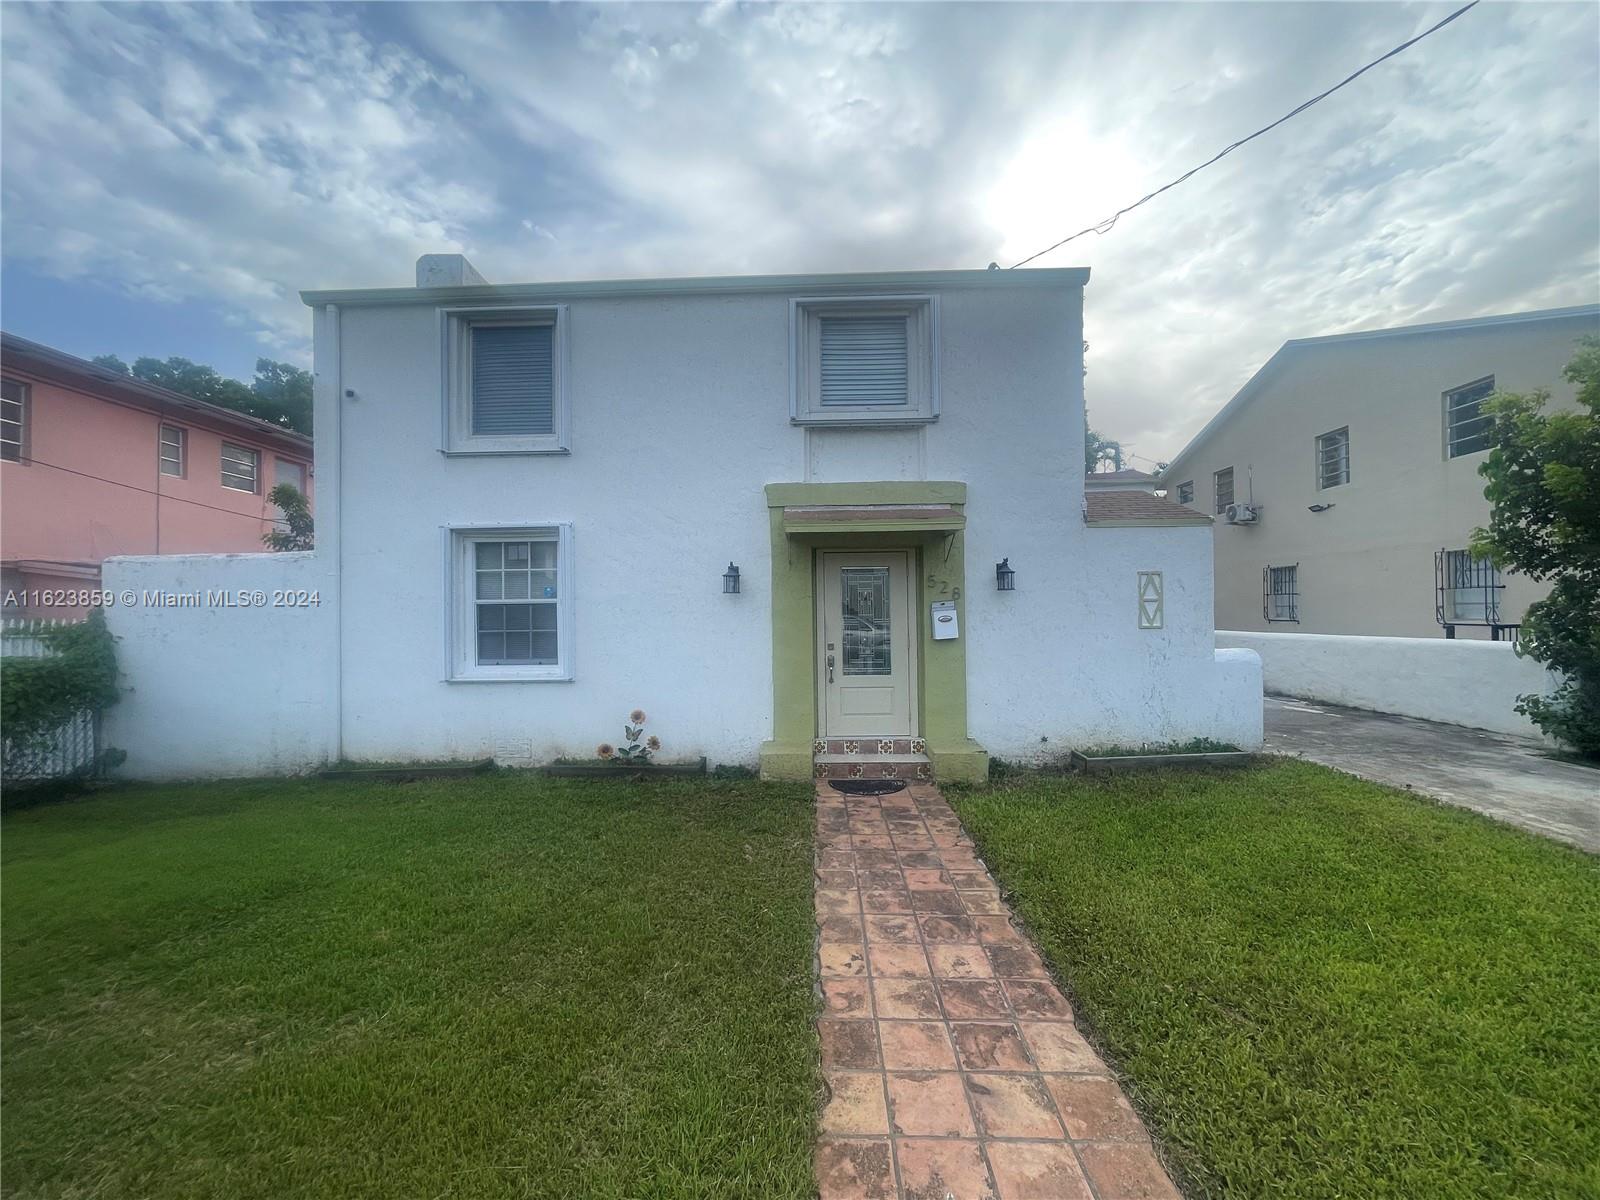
(866, 673)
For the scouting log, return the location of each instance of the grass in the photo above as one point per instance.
(494, 987)
(1316, 986)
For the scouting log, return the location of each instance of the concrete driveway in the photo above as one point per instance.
(1506, 778)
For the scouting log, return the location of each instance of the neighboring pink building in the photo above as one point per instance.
(93, 463)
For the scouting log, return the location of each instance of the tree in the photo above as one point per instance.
(300, 534)
(1097, 449)
(280, 393)
(1543, 475)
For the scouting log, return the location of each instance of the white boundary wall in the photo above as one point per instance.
(1438, 679)
(215, 688)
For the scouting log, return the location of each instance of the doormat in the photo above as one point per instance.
(867, 787)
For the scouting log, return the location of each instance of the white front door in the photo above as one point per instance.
(866, 675)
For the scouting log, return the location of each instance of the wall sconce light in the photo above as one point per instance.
(1005, 579)
(730, 580)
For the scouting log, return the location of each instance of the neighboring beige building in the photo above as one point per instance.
(1352, 465)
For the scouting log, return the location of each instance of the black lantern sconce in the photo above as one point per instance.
(1005, 579)
(730, 580)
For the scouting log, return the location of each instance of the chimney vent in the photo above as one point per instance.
(447, 270)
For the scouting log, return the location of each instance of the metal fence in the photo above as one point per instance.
(73, 747)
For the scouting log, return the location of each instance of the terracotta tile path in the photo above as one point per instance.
(954, 1068)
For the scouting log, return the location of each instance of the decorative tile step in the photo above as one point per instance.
(872, 766)
(869, 745)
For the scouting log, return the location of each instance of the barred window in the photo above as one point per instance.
(1466, 426)
(1333, 458)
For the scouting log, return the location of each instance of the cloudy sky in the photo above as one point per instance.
(174, 174)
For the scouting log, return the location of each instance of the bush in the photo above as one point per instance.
(1543, 474)
(39, 694)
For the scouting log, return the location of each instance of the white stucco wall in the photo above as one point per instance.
(680, 416)
(1366, 565)
(1459, 682)
(215, 690)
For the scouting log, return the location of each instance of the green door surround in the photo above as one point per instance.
(939, 562)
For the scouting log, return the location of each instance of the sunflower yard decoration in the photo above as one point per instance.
(634, 752)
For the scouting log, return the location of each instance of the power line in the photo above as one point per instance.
(232, 512)
(1106, 225)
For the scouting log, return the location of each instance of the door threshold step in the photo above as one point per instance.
(898, 744)
(912, 759)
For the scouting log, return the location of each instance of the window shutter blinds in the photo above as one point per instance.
(513, 380)
(864, 360)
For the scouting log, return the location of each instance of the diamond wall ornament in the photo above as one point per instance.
(1151, 614)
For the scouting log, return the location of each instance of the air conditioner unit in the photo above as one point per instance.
(1241, 514)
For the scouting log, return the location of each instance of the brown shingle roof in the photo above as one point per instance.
(1137, 508)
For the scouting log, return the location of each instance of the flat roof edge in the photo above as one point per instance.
(1045, 277)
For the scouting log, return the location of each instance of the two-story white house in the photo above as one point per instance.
(823, 523)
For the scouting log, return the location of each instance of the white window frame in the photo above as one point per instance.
(1341, 478)
(922, 360)
(1450, 410)
(460, 607)
(255, 475)
(1188, 486)
(456, 325)
(183, 450)
(23, 424)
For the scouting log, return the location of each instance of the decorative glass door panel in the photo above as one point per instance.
(866, 666)
(864, 621)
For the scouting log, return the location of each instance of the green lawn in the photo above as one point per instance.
(489, 987)
(1319, 987)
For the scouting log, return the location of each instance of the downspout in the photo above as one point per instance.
(333, 339)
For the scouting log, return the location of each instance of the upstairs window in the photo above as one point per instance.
(1222, 488)
(867, 361)
(505, 381)
(1280, 588)
(174, 450)
(1186, 492)
(13, 420)
(1466, 426)
(512, 607)
(1333, 458)
(241, 468)
(286, 470)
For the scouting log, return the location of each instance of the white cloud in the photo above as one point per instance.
(234, 155)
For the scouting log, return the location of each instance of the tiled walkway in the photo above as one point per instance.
(954, 1069)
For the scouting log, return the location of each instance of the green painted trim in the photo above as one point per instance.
(790, 764)
(968, 763)
(897, 492)
(909, 525)
(939, 564)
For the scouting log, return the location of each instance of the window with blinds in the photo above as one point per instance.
(513, 381)
(864, 360)
(505, 381)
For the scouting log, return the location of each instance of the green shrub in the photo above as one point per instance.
(39, 694)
